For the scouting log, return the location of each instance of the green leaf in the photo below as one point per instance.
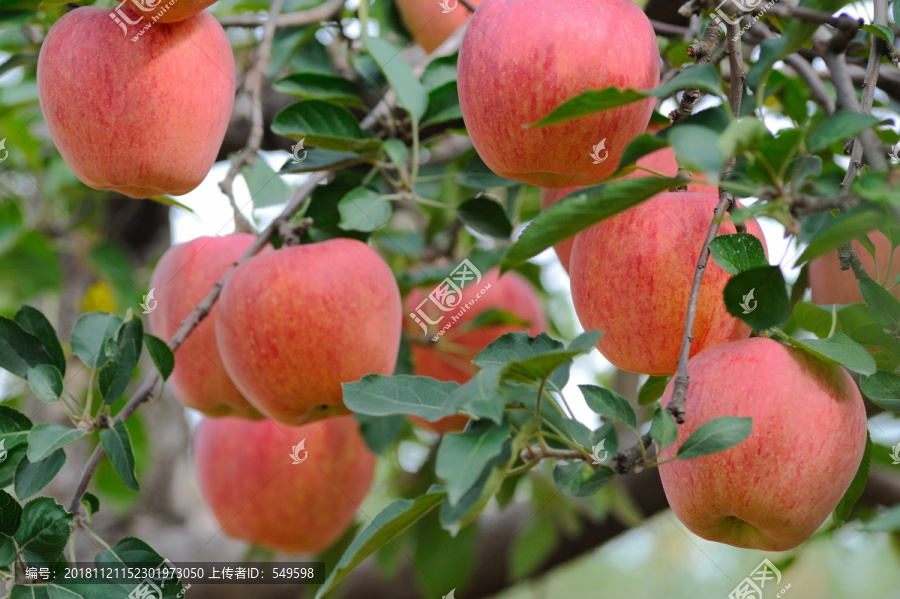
(162, 356)
(20, 351)
(44, 439)
(396, 151)
(586, 342)
(386, 526)
(443, 105)
(10, 514)
(91, 503)
(8, 551)
(439, 72)
(46, 382)
(640, 146)
(663, 428)
(51, 591)
(319, 86)
(117, 445)
(14, 427)
(578, 479)
(857, 486)
(884, 307)
(844, 229)
(703, 77)
(363, 210)
(35, 323)
(320, 159)
(590, 102)
(123, 353)
(31, 477)
(537, 368)
(652, 389)
(378, 395)
(467, 510)
(839, 349)
(581, 210)
(839, 127)
(744, 135)
(697, 148)
(480, 396)
(476, 175)
(92, 331)
(323, 125)
(485, 216)
(738, 252)
(885, 33)
(411, 96)
(44, 531)
(883, 389)
(758, 297)
(380, 432)
(813, 318)
(520, 348)
(714, 436)
(610, 404)
(463, 457)
(266, 187)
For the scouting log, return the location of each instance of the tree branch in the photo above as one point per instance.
(704, 51)
(726, 201)
(253, 83)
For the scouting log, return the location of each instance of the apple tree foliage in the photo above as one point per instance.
(464, 210)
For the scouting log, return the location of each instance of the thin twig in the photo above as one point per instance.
(253, 83)
(726, 200)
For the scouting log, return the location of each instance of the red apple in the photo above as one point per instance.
(662, 161)
(450, 359)
(296, 323)
(184, 276)
(631, 277)
(831, 285)
(774, 489)
(142, 117)
(429, 23)
(249, 479)
(520, 60)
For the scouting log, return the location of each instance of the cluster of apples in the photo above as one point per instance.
(631, 274)
(267, 366)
